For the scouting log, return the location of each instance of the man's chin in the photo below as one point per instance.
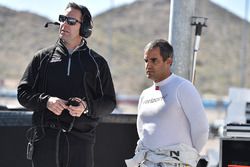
(149, 76)
(61, 37)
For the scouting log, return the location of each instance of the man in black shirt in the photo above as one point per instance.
(69, 87)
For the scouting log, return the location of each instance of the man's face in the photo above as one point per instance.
(70, 33)
(156, 69)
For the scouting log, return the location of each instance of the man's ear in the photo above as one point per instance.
(169, 60)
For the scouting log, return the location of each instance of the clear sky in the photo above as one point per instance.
(235, 6)
(52, 8)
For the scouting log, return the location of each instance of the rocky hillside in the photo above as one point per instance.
(120, 36)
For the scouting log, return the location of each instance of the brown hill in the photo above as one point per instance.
(121, 34)
(22, 34)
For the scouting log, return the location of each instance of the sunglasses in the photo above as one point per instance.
(70, 20)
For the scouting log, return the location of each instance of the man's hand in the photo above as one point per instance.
(77, 111)
(56, 105)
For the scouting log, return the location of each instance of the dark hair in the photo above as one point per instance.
(86, 18)
(166, 50)
(84, 10)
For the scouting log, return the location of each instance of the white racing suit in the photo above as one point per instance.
(179, 155)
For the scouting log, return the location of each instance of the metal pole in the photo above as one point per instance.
(244, 43)
(198, 22)
(180, 35)
(110, 35)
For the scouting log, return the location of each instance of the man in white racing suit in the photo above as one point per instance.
(171, 123)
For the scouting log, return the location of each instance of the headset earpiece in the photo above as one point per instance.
(87, 25)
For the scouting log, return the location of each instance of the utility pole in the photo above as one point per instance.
(180, 35)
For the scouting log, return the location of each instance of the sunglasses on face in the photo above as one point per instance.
(70, 20)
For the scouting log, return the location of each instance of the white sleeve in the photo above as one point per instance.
(191, 103)
(139, 122)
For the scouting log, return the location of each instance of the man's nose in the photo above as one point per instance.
(147, 65)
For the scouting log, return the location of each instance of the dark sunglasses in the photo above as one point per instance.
(70, 20)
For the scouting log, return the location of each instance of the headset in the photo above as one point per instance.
(87, 24)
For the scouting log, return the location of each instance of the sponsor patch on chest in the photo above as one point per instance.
(155, 99)
(55, 58)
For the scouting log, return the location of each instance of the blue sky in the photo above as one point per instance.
(235, 6)
(52, 8)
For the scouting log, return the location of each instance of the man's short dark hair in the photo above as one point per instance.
(166, 50)
(83, 9)
(86, 19)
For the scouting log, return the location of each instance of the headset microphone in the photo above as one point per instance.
(47, 24)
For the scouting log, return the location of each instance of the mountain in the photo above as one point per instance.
(120, 35)
(22, 34)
